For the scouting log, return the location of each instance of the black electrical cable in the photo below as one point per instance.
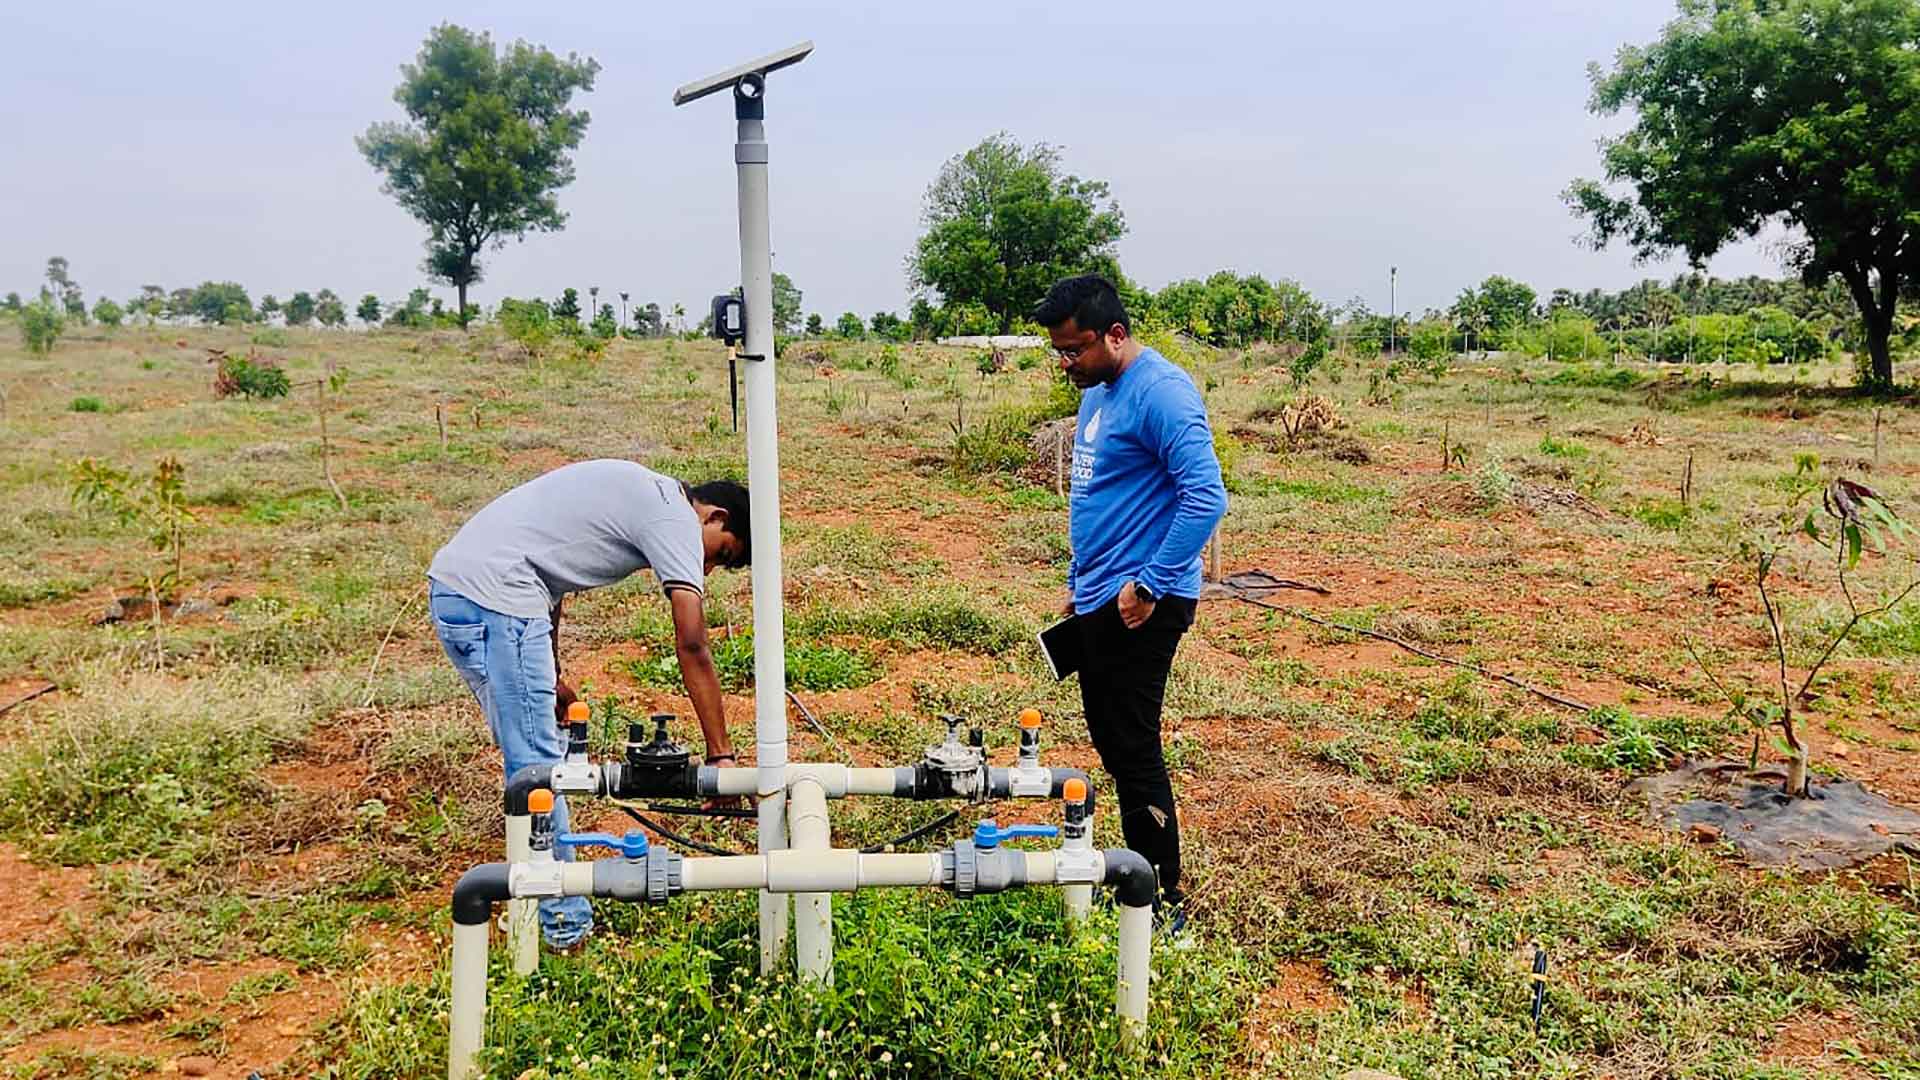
(685, 841)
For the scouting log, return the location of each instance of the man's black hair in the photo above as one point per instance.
(1089, 300)
(731, 496)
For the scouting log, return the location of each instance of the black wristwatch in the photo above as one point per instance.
(1144, 594)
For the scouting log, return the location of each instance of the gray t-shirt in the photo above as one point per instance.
(578, 527)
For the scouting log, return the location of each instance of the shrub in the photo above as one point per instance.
(529, 322)
(996, 443)
(250, 377)
(41, 325)
(86, 404)
(1597, 378)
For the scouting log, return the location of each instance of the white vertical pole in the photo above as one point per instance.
(763, 486)
(1136, 954)
(469, 1005)
(523, 941)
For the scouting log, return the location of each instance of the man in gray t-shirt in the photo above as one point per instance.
(496, 590)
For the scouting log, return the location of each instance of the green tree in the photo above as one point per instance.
(567, 309)
(369, 310)
(219, 302)
(41, 324)
(269, 306)
(1756, 112)
(888, 327)
(66, 291)
(107, 313)
(299, 309)
(412, 314)
(12, 302)
(1003, 224)
(1496, 309)
(328, 309)
(850, 326)
(485, 147)
(604, 324)
(786, 304)
(816, 326)
(151, 303)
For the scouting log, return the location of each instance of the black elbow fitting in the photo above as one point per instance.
(525, 782)
(479, 889)
(1132, 877)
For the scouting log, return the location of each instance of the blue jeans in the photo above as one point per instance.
(508, 664)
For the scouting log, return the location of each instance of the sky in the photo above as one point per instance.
(1323, 142)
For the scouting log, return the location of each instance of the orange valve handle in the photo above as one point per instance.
(1074, 790)
(1029, 718)
(579, 713)
(540, 801)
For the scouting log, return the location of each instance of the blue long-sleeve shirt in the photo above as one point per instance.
(1146, 485)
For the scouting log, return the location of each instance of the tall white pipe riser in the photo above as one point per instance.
(763, 488)
(469, 1000)
(809, 831)
(1135, 968)
(523, 936)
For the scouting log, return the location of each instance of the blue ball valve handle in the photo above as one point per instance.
(633, 845)
(987, 836)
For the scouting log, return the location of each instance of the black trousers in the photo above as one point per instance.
(1123, 682)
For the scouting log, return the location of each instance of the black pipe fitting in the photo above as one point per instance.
(629, 781)
(479, 889)
(1060, 778)
(1132, 877)
(525, 782)
(905, 782)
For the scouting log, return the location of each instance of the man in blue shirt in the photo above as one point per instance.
(1146, 497)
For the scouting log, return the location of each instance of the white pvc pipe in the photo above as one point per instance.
(1079, 903)
(763, 493)
(838, 781)
(469, 1005)
(830, 871)
(724, 872)
(1130, 995)
(523, 938)
(808, 831)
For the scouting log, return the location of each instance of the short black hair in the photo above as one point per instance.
(731, 496)
(1089, 300)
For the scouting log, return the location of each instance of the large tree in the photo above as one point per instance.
(1804, 113)
(1003, 224)
(485, 148)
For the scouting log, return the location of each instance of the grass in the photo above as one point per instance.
(1391, 828)
(811, 665)
(138, 779)
(923, 989)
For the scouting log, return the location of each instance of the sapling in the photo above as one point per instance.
(1851, 519)
(159, 505)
